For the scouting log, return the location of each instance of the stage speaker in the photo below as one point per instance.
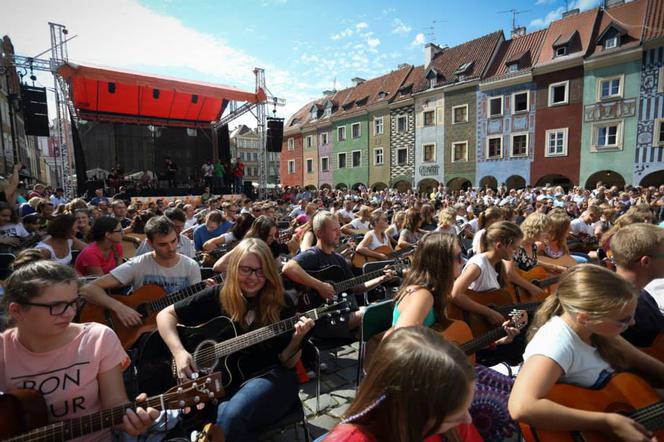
(249, 190)
(223, 137)
(275, 134)
(35, 110)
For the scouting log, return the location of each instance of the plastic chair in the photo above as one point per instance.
(372, 266)
(376, 319)
(294, 418)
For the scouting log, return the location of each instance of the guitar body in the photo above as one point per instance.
(537, 273)
(656, 350)
(155, 366)
(139, 301)
(210, 433)
(623, 394)
(21, 410)
(309, 298)
(565, 260)
(478, 324)
(457, 332)
(359, 260)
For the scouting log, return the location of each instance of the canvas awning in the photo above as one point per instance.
(106, 94)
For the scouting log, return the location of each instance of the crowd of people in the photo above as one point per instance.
(603, 248)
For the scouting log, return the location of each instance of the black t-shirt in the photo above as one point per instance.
(314, 259)
(205, 306)
(649, 322)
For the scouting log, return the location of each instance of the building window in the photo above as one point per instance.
(512, 67)
(325, 164)
(291, 166)
(402, 123)
(495, 106)
(520, 102)
(378, 156)
(556, 142)
(355, 130)
(559, 93)
(429, 118)
(341, 133)
(314, 114)
(611, 42)
(291, 144)
(378, 126)
(494, 147)
(460, 151)
(310, 165)
(309, 142)
(402, 156)
(609, 88)
(357, 158)
(607, 135)
(341, 160)
(560, 51)
(327, 112)
(428, 153)
(659, 132)
(460, 114)
(519, 145)
(323, 138)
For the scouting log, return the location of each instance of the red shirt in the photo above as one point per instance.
(351, 433)
(92, 256)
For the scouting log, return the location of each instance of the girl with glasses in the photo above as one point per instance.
(575, 339)
(76, 367)
(105, 253)
(252, 297)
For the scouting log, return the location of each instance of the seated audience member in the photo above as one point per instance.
(105, 252)
(62, 240)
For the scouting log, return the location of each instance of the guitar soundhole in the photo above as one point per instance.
(204, 355)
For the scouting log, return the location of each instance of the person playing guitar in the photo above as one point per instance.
(376, 238)
(575, 339)
(327, 229)
(76, 367)
(163, 266)
(252, 297)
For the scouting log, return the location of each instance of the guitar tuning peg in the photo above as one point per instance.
(197, 399)
(181, 404)
(210, 394)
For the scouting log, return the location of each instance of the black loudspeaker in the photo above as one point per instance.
(35, 110)
(275, 134)
(249, 190)
(224, 140)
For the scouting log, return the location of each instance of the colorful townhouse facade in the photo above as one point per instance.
(579, 102)
(507, 100)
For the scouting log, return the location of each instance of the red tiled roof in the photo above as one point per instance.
(524, 49)
(654, 20)
(583, 23)
(478, 52)
(366, 93)
(629, 18)
(409, 85)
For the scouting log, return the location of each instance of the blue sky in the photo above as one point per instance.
(303, 45)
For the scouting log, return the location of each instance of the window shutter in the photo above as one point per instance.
(440, 115)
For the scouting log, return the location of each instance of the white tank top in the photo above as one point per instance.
(488, 279)
(375, 242)
(54, 258)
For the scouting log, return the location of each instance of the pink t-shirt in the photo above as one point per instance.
(67, 376)
(92, 256)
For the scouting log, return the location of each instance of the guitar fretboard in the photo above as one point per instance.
(651, 417)
(344, 286)
(161, 303)
(483, 341)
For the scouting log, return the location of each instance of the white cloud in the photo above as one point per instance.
(399, 27)
(361, 25)
(544, 2)
(373, 42)
(418, 40)
(557, 13)
(343, 34)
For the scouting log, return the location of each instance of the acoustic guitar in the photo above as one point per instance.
(213, 345)
(499, 300)
(656, 350)
(209, 433)
(625, 393)
(25, 415)
(460, 333)
(359, 260)
(564, 261)
(539, 277)
(148, 301)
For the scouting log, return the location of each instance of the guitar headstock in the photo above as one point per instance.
(518, 319)
(192, 393)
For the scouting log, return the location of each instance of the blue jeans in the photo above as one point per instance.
(260, 402)
(581, 258)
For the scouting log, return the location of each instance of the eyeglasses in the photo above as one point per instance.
(59, 308)
(247, 271)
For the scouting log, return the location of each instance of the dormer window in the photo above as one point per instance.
(512, 67)
(611, 42)
(314, 114)
(382, 95)
(295, 121)
(561, 51)
(327, 112)
(462, 70)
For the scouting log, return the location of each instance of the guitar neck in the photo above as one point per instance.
(230, 346)
(172, 298)
(483, 341)
(91, 423)
(530, 307)
(651, 417)
(344, 286)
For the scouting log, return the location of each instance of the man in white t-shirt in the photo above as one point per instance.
(583, 225)
(346, 214)
(163, 266)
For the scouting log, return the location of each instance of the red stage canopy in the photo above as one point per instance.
(105, 94)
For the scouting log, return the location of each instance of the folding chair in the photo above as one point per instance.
(372, 266)
(376, 319)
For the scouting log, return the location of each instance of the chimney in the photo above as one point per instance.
(403, 66)
(519, 31)
(357, 81)
(611, 3)
(430, 51)
(571, 12)
(329, 93)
